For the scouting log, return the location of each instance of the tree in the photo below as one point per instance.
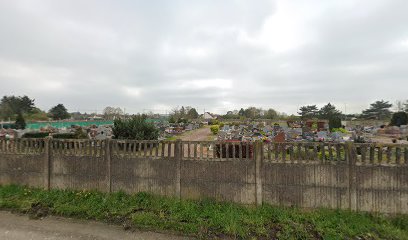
(192, 113)
(309, 111)
(171, 119)
(136, 128)
(184, 114)
(36, 114)
(252, 112)
(20, 122)
(59, 112)
(399, 118)
(329, 112)
(271, 114)
(378, 110)
(241, 112)
(14, 105)
(111, 113)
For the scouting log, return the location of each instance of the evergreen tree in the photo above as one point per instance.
(399, 118)
(378, 110)
(329, 112)
(59, 112)
(14, 105)
(241, 112)
(309, 111)
(20, 122)
(192, 113)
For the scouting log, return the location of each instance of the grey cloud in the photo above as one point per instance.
(138, 54)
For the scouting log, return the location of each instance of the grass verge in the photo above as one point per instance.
(203, 219)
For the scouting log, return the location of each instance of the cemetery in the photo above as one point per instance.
(310, 131)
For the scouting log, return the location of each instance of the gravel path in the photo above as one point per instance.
(20, 227)
(201, 134)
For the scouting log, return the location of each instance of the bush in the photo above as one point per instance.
(215, 129)
(399, 118)
(340, 130)
(213, 122)
(36, 135)
(136, 128)
(79, 134)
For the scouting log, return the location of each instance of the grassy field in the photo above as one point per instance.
(203, 219)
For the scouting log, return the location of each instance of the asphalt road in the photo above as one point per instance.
(20, 227)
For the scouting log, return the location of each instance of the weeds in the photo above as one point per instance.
(205, 218)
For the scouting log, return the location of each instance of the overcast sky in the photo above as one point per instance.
(210, 54)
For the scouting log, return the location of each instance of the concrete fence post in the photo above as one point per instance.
(177, 156)
(258, 158)
(351, 157)
(47, 163)
(108, 158)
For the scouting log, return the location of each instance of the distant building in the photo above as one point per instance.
(208, 116)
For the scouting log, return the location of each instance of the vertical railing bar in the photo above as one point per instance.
(406, 156)
(144, 149)
(323, 152)
(380, 155)
(398, 155)
(240, 150)
(247, 154)
(221, 150)
(201, 151)
(283, 149)
(151, 149)
(291, 153)
(315, 154)
(157, 149)
(188, 150)
(389, 153)
(195, 150)
(163, 146)
(227, 152)
(372, 153)
(330, 152)
(276, 151)
(169, 149)
(338, 152)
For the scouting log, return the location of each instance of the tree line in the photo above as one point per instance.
(253, 113)
(183, 114)
(378, 110)
(22, 108)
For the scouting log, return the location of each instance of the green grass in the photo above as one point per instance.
(203, 219)
(172, 138)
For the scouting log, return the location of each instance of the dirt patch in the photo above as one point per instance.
(311, 229)
(38, 210)
(124, 221)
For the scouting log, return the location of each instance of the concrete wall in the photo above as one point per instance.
(348, 176)
(308, 185)
(221, 180)
(22, 163)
